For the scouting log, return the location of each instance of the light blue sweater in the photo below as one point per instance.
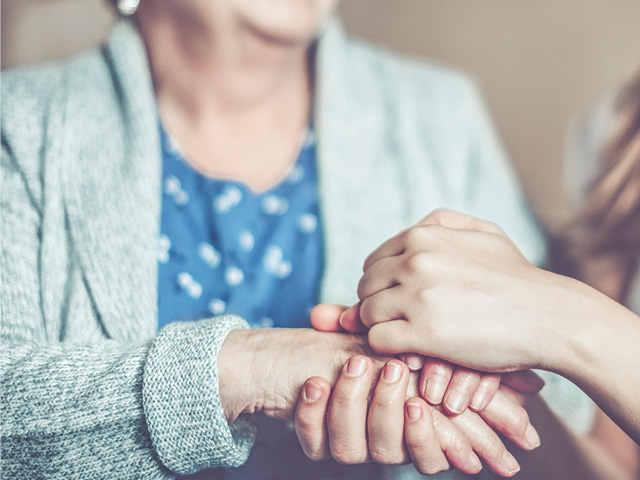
(85, 377)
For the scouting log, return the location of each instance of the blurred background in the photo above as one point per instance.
(540, 63)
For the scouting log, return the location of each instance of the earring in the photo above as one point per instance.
(127, 7)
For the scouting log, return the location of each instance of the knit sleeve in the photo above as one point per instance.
(103, 409)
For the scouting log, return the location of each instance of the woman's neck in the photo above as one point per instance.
(238, 102)
(200, 70)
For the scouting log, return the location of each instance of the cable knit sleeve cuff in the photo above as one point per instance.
(182, 405)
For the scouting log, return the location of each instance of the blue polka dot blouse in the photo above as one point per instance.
(225, 249)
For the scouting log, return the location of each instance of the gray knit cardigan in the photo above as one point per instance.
(90, 389)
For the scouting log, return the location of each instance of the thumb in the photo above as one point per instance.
(326, 317)
(459, 221)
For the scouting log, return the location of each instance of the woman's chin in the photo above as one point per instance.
(286, 21)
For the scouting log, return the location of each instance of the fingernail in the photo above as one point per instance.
(392, 372)
(312, 392)
(434, 390)
(414, 411)
(456, 401)
(479, 401)
(476, 463)
(510, 462)
(534, 380)
(342, 316)
(532, 437)
(414, 362)
(356, 366)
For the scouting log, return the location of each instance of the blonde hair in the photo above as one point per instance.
(609, 222)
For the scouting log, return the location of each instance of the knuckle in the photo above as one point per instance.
(377, 338)
(518, 419)
(419, 441)
(424, 297)
(383, 456)
(304, 427)
(437, 367)
(348, 456)
(385, 402)
(415, 236)
(492, 445)
(314, 454)
(466, 379)
(458, 447)
(419, 263)
(368, 310)
(361, 289)
(431, 468)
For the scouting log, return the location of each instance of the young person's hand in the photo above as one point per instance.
(442, 383)
(361, 419)
(457, 288)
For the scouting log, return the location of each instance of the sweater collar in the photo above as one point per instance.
(114, 173)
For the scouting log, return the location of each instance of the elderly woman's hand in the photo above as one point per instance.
(352, 424)
(441, 383)
(264, 370)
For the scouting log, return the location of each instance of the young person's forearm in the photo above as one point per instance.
(600, 352)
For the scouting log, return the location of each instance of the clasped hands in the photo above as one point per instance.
(436, 293)
(449, 421)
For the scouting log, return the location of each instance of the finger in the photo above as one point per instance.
(414, 361)
(392, 338)
(487, 388)
(510, 419)
(461, 221)
(421, 439)
(462, 388)
(325, 317)
(350, 320)
(385, 423)
(382, 274)
(383, 306)
(486, 443)
(310, 418)
(347, 416)
(454, 444)
(525, 381)
(434, 379)
(392, 247)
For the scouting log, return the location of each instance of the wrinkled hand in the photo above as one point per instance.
(394, 430)
(456, 287)
(264, 370)
(441, 383)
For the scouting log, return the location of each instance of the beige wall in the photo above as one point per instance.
(538, 61)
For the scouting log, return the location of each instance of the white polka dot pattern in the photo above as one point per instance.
(217, 306)
(233, 276)
(164, 246)
(189, 285)
(225, 249)
(228, 199)
(307, 223)
(246, 241)
(274, 205)
(209, 255)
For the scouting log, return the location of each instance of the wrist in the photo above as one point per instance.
(264, 370)
(234, 368)
(580, 322)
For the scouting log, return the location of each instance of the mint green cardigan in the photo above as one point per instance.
(89, 388)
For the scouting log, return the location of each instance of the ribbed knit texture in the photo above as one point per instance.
(182, 402)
